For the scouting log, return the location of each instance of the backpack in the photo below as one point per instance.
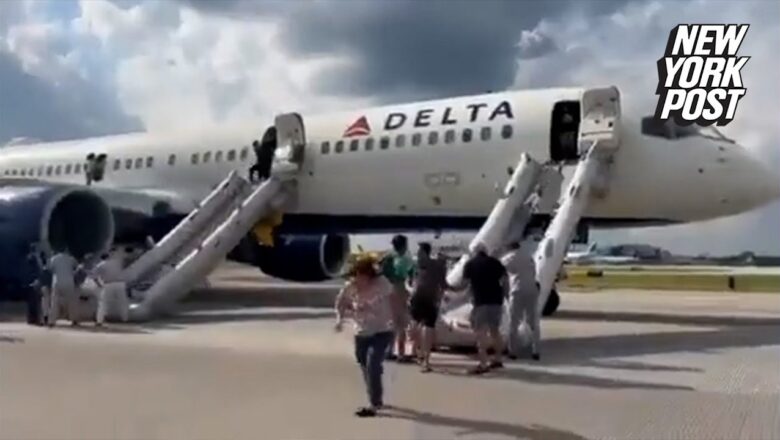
(396, 268)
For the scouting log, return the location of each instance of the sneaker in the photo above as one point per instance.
(366, 412)
(478, 370)
(535, 357)
(405, 359)
(391, 357)
(496, 365)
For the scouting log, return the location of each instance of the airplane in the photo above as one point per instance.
(428, 166)
(595, 255)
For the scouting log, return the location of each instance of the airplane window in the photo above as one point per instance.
(231, 155)
(23, 172)
(117, 164)
(218, 156)
(667, 129)
(149, 162)
(384, 142)
(433, 138)
(353, 146)
(244, 153)
(40, 170)
(325, 148)
(68, 167)
(58, 170)
(449, 136)
(139, 163)
(484, 134)
(506, 131)
(369, 144)
(339, 147)
(194, 158)
(416, 139)
(77, 168)
(172, 159)
(49, 169)
(128, 164)
(400, 140)
(206, 156)
(467, 135)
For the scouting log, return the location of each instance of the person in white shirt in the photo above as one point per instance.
(63, 288)
(113, 290)
(524, 296)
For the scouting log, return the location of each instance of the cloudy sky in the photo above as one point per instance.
(72, 69)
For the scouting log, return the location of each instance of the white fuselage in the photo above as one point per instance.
(651, 179)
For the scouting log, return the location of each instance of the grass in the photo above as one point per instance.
(671, 280)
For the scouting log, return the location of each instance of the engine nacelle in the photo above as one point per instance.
(56, 217)
(304, 258)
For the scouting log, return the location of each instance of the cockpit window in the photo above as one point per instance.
(670, 130)
(666, 129)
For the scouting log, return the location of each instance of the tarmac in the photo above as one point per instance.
(246, 360)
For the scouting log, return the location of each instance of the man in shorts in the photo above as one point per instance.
(487, 279)
(430, 280)
(398, 267)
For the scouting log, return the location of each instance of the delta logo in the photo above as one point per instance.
(358, 128)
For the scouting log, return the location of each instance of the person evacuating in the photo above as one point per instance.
(366, 299)
(63, 287)
(113, 290)
(430, 281)
(486, 276)
(264, 156)
(397, 267)
(524, 297)
(35, 292)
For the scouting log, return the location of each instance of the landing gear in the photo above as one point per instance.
(553, 301)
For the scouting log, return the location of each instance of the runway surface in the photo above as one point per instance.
(618, 365)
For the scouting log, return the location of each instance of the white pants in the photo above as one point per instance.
(112, 297)
(45, 304)
(524, 310)
(63, 292)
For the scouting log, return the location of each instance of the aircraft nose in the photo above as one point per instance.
(765, 182)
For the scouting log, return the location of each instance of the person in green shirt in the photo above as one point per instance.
(398, 267)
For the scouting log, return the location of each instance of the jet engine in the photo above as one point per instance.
(55, 217)
(302, 258)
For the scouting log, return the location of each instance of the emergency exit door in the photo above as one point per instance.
(600, 118)
(291, 141)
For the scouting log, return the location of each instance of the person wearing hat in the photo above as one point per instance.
(366, 300)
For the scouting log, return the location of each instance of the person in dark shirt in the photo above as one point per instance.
(430, 281)
(487, 279)
(35, 295)
(264, 154)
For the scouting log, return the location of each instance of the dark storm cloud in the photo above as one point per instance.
(426, 48)
(31, 107)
